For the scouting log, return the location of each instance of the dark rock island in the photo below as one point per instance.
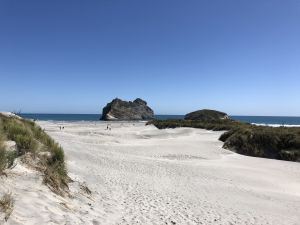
(206, 115)
(127, 110)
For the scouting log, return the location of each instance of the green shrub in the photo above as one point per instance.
(217, 125)
(226, 135)
(289, 155)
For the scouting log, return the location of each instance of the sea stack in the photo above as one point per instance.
(206, 115)
(127, 110)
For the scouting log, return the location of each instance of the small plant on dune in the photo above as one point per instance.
(7, 205)
(18, 132)
(56, 176)
(3, 159)
(2, 152)
(25, 143)
(10, 157)
(6, 157)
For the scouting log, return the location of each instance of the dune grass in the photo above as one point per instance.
(3, 159)
(56, 176)
(261, 141)
(7, 205)
(6, 159)
(30, 138)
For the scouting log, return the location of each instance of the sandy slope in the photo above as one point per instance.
(141, 175)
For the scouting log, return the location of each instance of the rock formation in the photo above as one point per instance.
(206, 115)
(123, 110)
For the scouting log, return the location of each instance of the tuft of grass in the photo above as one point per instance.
(56, 176)
(3, 159)
(85, 189)
(7, 205)
(19, 131)
(2, 152)
(57, 154)
(10, 156)
(6, 159)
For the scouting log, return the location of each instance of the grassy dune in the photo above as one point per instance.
(261, 141)
(36, 147)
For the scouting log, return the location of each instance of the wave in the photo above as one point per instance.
(276, 125)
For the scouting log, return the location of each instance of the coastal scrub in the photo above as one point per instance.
(261, 141)
(32, 141)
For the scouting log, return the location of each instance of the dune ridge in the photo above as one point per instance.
(138, 174)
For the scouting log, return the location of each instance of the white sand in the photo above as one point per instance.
(10, 114)
(141, 175)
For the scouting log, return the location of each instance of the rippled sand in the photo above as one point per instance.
(141, 175)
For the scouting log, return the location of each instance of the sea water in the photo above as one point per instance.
(261, 120)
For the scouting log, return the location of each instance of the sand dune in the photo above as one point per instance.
(141, 175)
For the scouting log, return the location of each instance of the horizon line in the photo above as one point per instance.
(159, 114)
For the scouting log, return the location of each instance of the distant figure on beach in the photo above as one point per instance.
(108, 127)
(59, 127)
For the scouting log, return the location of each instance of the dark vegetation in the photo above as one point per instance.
(216, 125)
(32, 141)
(261, 141)
(206, 115)
(7, 205)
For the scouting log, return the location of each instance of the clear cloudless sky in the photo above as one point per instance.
(74, 56)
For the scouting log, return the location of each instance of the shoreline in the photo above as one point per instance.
(261, 120)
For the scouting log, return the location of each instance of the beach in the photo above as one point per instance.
(137, 174)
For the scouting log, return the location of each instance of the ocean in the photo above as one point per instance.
(261, 120)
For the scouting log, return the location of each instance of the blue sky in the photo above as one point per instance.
(241, 57)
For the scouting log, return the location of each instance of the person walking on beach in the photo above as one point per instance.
(108, 127)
